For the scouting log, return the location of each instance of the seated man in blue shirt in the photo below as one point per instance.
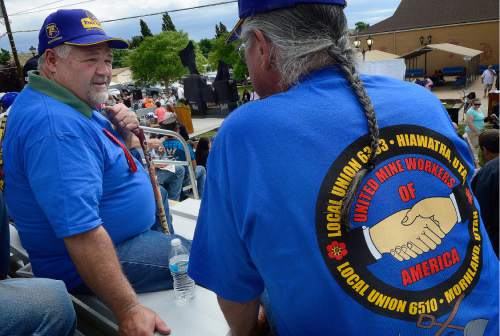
(333, 200)
(83, 206)
(174, 149)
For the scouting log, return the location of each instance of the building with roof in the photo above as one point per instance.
(415, 23)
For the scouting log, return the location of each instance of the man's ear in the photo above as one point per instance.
(51, 60)
(264, 49)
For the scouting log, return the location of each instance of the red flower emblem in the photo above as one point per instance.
(336, 250)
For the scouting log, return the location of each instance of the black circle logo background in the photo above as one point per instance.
(361, 270)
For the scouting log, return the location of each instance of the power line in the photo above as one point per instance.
(52, 8)
(171, 11)
(39, 6)
(146, 15)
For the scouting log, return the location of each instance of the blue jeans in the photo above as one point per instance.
(200, 176)
(35, 307)
(144, 260)
(172, 182)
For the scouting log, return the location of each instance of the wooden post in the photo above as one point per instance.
(3, 12)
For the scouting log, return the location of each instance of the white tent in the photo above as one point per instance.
(376, 62)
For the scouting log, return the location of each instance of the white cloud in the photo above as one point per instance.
(198, 23)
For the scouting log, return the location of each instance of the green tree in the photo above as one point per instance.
(157, 59)
(167, 24)
(205, 46)
(135, 41)
(361, 26)
(4, 57)
(229, 54)
(145, 31)
(220, 29)
(120, 58)
(201, 60)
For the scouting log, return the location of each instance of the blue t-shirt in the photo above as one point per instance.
(63, 177)
(174, 149)
(270, 216)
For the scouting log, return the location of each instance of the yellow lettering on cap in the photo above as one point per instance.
(91, 23)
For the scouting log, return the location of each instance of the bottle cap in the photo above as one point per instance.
(175, 242)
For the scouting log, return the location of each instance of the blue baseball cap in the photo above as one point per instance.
(7, 99)
(74, 27)
(248, 8)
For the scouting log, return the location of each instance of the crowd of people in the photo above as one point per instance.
(359, 202)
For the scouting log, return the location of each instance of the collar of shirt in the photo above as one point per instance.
(58, 92)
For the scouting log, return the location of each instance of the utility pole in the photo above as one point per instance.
(3, 12)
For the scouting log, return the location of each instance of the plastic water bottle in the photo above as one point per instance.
(178, 264)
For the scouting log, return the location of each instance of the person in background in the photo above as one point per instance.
(428, 83)
(127, 98)
(160, 112)
(148, 102)
(202, 151)
(485, 184)
(475, 123)
(180, 93)
(245, 98)
(174, 148)
(488, 78)
(438, 78)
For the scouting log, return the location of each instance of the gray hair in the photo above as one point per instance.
(309, 37)
(62, 51)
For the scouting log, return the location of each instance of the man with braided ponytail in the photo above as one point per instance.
(362, 221)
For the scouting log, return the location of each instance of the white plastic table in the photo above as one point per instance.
(201, 316)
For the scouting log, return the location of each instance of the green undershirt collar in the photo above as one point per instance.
(58, 92)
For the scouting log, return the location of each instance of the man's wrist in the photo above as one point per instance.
(123, 312)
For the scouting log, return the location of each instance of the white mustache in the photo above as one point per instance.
(104, 79)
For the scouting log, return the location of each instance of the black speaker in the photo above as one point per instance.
(226, 91)
(208, 94)
(193, 91)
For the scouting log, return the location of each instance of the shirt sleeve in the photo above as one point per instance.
(220, 259)
(65, 174)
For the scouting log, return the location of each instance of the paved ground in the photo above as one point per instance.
(204, 125)
(447, 92)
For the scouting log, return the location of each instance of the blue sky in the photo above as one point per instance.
(197, 23)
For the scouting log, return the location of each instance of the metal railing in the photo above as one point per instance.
(187, 163)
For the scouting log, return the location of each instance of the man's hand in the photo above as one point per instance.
(95, 259)
(124, 119)
(141, 321)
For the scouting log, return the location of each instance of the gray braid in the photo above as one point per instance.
(344, 61)
(308, 37)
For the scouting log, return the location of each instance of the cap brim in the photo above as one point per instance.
(89, 40)
(236, 32)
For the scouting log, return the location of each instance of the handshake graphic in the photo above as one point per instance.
(408, 233)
